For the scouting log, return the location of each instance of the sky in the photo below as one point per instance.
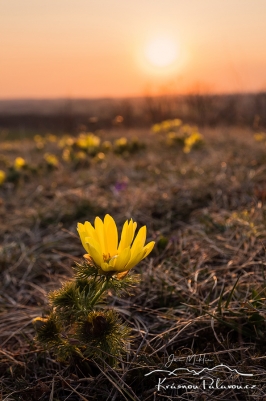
(100, 48)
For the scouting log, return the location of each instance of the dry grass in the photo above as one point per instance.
(202, 289)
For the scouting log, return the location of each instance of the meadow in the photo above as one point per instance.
(201, 296)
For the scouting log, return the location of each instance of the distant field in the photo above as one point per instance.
(25, 117)
(202, 288)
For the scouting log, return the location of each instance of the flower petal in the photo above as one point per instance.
(99, 228)
(95, 244)
(148, 248)
(139, 242)
(97, 258)
(90, 230)
(111, 235)
(106, 267)
(82, 234)
(133, 233)
(130, 233)
(122, 244)
(122, 259)
(141, 255)
(134, 260)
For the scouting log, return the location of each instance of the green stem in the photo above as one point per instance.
(99, 293)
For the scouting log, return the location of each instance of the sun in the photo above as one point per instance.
(161, 52)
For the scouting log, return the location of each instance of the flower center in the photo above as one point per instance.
(107, 257)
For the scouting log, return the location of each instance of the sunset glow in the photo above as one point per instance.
(161, 52)
(96, 48)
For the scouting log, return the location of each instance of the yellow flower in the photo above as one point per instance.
(92, 141)
(65, 141)
(100, 156)
(156, 128)
(194, 139)
(186, 129)
(39, 141)
(176, 122)
(260, 137)
(19, 163)
(87, 141)
(81, 142)
(101, 243)
(121, 142)
(66, 155)
(107, 145)
(51, 138)
(2, 177)
(38, 138)
(81, 155)
(51, 159)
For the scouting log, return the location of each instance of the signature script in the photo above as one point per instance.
(192, 359)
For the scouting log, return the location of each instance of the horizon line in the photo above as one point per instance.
(68, 98)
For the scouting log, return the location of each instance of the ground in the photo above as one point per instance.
(202, 289)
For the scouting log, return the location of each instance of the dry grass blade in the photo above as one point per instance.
(73, 389)
(119, 385)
